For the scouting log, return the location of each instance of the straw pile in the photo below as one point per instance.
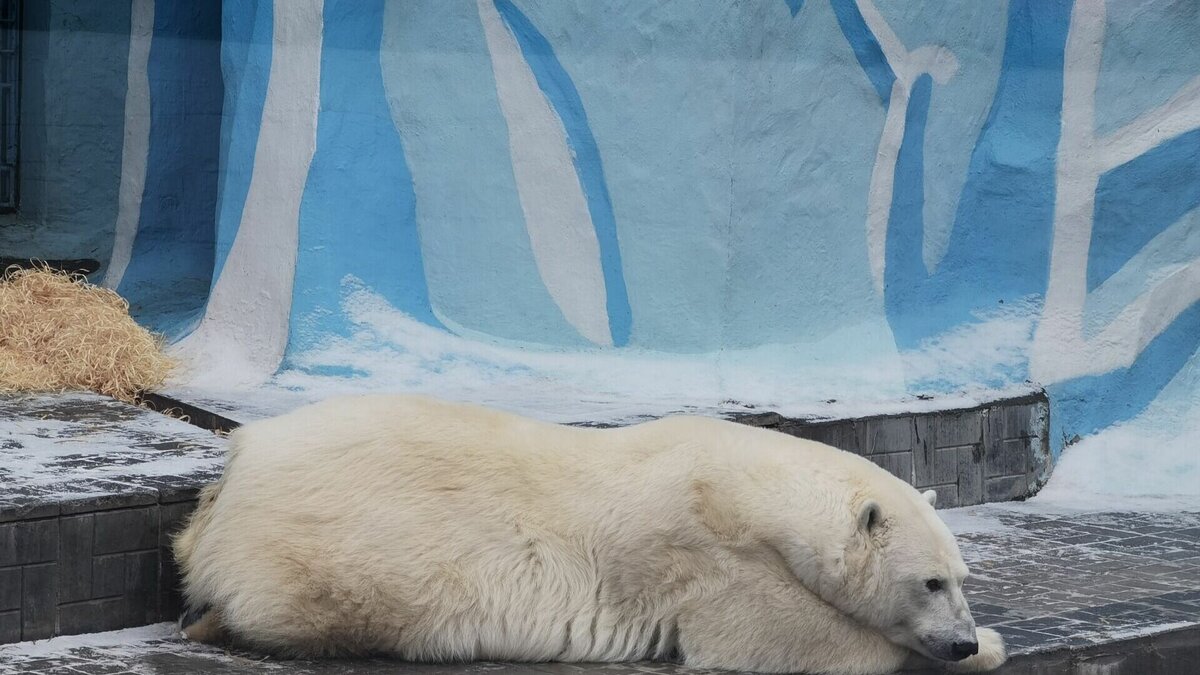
(58, 332)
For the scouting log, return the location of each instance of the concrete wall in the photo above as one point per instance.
(73, 55)
(776, 202)
(120, 128)
(164, 249)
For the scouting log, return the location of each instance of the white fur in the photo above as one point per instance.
(438, 531)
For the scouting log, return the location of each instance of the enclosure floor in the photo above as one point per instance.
(1067, 590)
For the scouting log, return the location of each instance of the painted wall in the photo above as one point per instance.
(775, 202)
(120, 123)
(164, 251)
(72, 118)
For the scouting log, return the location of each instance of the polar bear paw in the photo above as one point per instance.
(992, 653)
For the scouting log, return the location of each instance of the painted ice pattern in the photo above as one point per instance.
(935, 197)
(552, 152)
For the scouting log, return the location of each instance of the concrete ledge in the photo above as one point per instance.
(988, 453)
(991, 453)
(90, 491)
(89, 571)
(85, 524)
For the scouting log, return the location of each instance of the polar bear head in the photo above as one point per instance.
(904, 575)
(861, 539)
(872, 546)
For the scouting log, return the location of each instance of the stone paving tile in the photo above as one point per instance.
(1041, 594)
(1084, 579)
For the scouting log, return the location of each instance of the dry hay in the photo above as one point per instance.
(58, 332)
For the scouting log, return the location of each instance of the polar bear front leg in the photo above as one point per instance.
(766, 622)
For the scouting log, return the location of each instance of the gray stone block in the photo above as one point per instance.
(1008, 457)
(958, 429)
(108, 575)
(923, 448)
(126, 530)
(10, 627)
(970, 476)
(141, 587)
(39, 598)
(892, 434)
(75, 558)
(170, 595)
(840, 435)
(899, 464)
(10, 588)
(92, 616)
(171, 519)
(8, 544)
(31, 541)
(1013, 421)
(944, 467)
(1005, 488)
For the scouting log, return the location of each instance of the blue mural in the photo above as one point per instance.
(866, 48)
(556, 84)
(1139, 199)
(171, 265)
(374, 240)
(999, 247)
(830, 183)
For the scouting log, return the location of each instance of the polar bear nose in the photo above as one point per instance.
(961, 650)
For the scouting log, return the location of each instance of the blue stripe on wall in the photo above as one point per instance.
(999, 250)
(358, 215)
(906, 228)
(170, 270)
(554, 81)
(247, 34)
(1086, 405)
(794, 6)
(866, 48)
(1138, 200)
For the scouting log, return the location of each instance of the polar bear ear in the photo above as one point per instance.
(869, 517)
(930, 496)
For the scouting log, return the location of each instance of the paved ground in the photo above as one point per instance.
(1049, 581)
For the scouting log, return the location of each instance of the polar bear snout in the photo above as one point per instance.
(961, 650)
(952, 647)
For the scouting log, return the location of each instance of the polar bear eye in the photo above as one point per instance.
(934, 585)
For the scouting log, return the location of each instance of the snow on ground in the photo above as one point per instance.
(79, 444)
(135, 639)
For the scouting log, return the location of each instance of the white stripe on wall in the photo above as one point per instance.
(1060, 349)
(244, 333)
(135, 149)
(561, 233)
(907, 66)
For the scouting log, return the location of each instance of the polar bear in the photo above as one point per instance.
(438, 531)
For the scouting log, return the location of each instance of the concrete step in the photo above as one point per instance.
(91, 489)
